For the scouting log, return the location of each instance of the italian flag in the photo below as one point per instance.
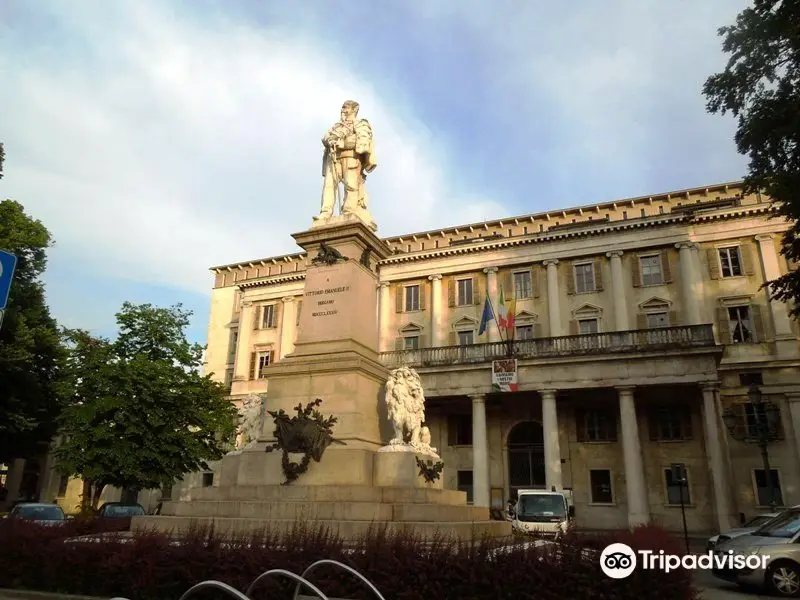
(505, 313)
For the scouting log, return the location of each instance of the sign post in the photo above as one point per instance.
(8, 262)
(679, 477)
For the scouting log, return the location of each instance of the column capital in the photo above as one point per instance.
(384, 284)
(478, 398)
(436, 277)
(288, 299)
(548, 393)
(625, 390)
(247, 303)
(710, 386)
(550, 261)
(686, 246)
(764, 237)
(614, 254)
(489, 270)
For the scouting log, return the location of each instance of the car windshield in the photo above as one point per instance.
(122, 510)
(784, 525)
(758, 521)
(41, 513)
(541, 505)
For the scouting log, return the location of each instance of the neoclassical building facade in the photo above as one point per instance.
(637, 324)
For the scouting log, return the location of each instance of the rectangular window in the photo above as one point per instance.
(523, 287)
(465, 484)
(228, 379)
(762, 490)
(671, 423)
(62, 486)
(596, 425)
(757, 417)
(584, 278)
(524, 332)
(600, 480)
(675, 488)
(651, 270)
(232, 345)
(644, 213)
(464, 292)
(656, 320)
(730, 261)
(412, 297)
(661, 209)
(741, 328)
(268, 318)
(587, 326)
(411, 342)
(465, 338)
(208, 479)
(459, 430)
(264, 359)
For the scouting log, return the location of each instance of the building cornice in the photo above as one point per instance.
(272, 280)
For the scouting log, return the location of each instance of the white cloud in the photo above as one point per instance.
(163, 147)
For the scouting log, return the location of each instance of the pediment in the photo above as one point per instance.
(655, 303)
(587, 310)
(465, 323)
(736, 300)
(525, 316)
(411, 328)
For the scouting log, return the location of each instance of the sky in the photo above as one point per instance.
(158, 138)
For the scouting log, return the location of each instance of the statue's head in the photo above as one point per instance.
(349, 110)
(425, 436)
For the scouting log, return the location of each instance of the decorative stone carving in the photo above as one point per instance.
(251, 418)
(327, 256)
(348, 157)
(405, 403)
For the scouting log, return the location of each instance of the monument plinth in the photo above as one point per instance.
(373, 463)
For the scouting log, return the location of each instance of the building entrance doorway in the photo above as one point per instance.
(525, 457)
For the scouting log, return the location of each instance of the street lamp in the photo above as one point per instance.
(767, 428)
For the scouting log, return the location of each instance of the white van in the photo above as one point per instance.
(543, 513)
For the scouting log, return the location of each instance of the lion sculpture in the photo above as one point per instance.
(405, 403)
(251, 419)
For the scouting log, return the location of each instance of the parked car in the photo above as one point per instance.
(779, 541)
(120, 510)
(748, 527)
(45, 514)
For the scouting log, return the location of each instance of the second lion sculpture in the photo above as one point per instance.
(405, 403)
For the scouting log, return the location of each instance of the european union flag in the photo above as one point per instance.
(488, 315)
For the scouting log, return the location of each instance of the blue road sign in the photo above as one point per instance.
(7, 264)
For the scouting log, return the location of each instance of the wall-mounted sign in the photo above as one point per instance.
(504, 375)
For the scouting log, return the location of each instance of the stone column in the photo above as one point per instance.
(716, 461)
(638, 504)
(769, 263)
(689, 282)
(242, 365)
(552, 448)
(491, 290)
(384, 302)
(287, 327)
(480, 452)
(437, 329)
(553, 301)
(618, 286)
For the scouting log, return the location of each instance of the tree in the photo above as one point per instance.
(31, 348)
(761, 87)
(140, 414)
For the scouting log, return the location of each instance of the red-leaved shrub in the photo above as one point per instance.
(152, 566)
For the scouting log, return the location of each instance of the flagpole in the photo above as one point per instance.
(494, 318)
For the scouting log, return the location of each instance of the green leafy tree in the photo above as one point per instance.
(141, 415)
(760, 86)
(31, 348)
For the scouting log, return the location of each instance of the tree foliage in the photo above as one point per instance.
(31, 349)
(760, 86)
(140, 415)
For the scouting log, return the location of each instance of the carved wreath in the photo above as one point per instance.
(430, 473)
(309, 433)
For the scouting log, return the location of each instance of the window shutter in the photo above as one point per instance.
(653, 423)
(422, 294)
(256, 317)
(277, 311)
(666, 268)
(573, 327)
(641, 321)
(598, 274)
(537, 330)
(636, 271)
(253, 363)
(508, 285)
(535, 288)
(398, 344)
(712, 254)
(398, 298)
(580, 422)
(299, 310)
(423, 341)
(451, 432)
(452, 339)
(740, 430)
(687, 423)
(747, 259)
(271, 356)
(758, 322)
(570, 278)
(724, 325)
(478, 283)
(451, 292)
(673, 318)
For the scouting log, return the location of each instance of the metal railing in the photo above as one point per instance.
(644, 340)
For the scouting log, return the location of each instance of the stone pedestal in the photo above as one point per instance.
(400, 469)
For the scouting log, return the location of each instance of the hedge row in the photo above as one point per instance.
(151, 566)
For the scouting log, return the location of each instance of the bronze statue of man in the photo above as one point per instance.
(349, 155)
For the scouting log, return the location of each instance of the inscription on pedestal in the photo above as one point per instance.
(326, 305)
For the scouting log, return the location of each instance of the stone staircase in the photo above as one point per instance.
(349, 510)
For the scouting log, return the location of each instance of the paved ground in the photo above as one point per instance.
(716, 589)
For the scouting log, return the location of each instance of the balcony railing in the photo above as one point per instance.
(646, 340)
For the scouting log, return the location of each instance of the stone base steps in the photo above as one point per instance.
(334, 493)
(348, 530)
(324, 511)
